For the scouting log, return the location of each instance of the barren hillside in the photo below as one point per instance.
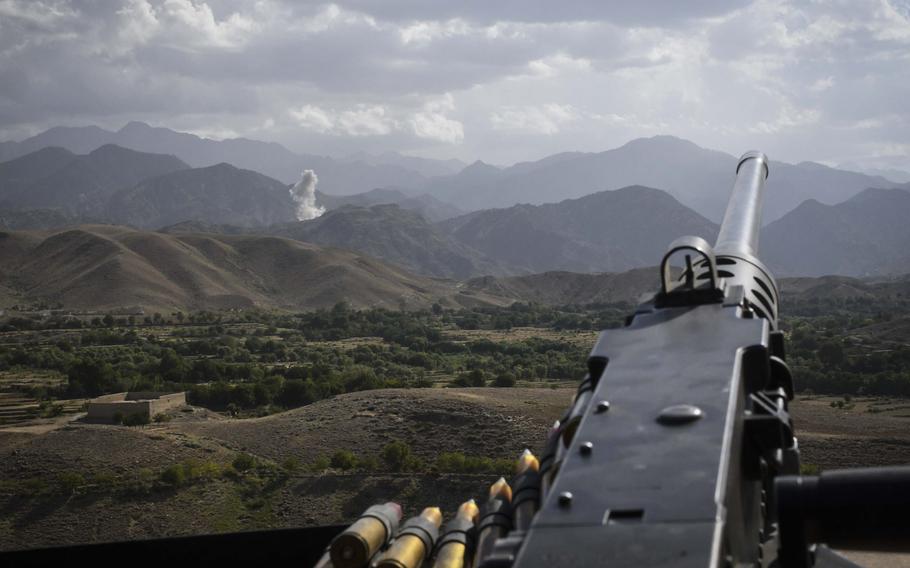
(104, 267)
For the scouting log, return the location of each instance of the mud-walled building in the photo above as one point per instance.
(122, 405)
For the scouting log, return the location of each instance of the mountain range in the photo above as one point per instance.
(53, 187)
(113, 268)
(54, 178)
(699, 178)
(608, 231)
(395, 235)
(614, 231)
(274, 160)
(604, 231)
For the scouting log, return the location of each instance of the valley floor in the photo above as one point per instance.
(75, 482)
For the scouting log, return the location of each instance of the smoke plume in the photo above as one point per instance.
(304, 195)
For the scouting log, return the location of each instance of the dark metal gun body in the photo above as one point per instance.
(675, 472)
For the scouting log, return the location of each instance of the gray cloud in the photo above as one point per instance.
(656, 13)
(498, 80)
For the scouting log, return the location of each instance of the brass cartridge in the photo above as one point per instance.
(414, 543)
(455, 548)
(358, 543)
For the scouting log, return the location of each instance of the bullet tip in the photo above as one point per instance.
(501, 490)
(469, 509)
(434, 514)
(526, 461)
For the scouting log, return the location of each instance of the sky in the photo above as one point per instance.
(502, 81)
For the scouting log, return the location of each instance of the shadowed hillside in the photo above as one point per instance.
(220, 194)
(863, 236)
(395, 235)
(608, 231)
(429, 207)
(77, 185)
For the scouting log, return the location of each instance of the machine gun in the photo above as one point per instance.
(677, 450)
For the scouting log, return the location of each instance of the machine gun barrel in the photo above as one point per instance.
(742, 222)
(736, 249)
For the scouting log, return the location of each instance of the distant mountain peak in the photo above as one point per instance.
(479, 167)
(810, 203)
(666, 141)
(112, 149)
(134, 126)
(222, 166)
(480, 164)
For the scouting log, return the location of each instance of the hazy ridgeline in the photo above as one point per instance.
(581, 212)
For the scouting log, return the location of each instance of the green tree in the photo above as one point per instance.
(343, 460)
(172, 366)
(504, 380)
(397, 455)
(88, 377)
(831, 354)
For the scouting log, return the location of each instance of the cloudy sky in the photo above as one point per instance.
(503, 80)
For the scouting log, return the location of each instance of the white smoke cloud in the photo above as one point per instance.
(304, 195)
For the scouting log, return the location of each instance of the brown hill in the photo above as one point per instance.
(107, 267)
